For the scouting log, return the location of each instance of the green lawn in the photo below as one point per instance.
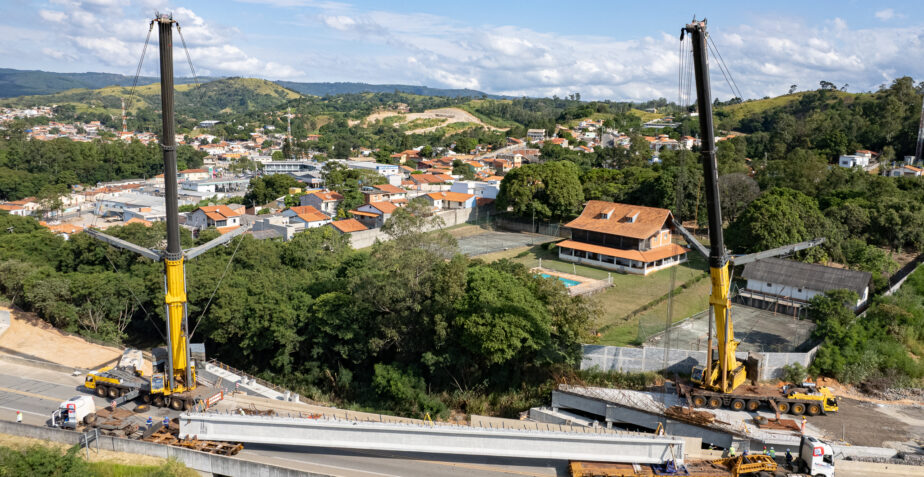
(629, 293)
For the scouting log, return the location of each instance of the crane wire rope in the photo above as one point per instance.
(131, 95)
(189, 62)
(726, 73)
(240, 240)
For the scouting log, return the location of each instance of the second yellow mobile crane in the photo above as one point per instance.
(718, 380)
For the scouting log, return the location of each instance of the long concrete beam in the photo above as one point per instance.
(437, 439)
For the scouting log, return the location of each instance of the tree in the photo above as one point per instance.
(268, 188)
(792, 89)
(551, 190)
(736, 191)
(781, 217)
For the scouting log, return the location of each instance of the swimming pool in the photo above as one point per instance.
(568, 283)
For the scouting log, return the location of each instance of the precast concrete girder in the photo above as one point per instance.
(437, 439)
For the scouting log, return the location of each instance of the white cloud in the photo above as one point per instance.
(52, 16)
(58, 54)
(886, 14)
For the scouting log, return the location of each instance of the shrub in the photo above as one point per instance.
(794, 373)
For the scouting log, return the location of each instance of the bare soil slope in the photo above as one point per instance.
(31, 337)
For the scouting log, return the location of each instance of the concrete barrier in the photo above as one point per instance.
(200, 461)
(435, 439)
(625, 359)
(4, 321)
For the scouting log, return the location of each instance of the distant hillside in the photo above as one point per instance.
(219, 96)
(32, 82)
(326, 89)
(731, 116)
(15, 83)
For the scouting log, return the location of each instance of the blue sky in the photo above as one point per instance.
(606, 49)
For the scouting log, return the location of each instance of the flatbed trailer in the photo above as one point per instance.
(795, 403)
(728, 467)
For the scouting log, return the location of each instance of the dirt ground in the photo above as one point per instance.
(878, 425)
(31, 337)
(451, 115)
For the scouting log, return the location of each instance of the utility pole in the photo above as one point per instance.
(920, 147)
(124, 122)
(289, 133)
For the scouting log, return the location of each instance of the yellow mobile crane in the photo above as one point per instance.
(173, 382)
(719, 379)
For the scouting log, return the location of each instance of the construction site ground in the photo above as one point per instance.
(31, 337)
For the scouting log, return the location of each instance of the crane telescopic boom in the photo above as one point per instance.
(727, 373)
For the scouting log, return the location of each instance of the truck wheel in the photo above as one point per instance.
(158, 401)
(90, 419)
(783, 407)
(737, 404)
(146, 398)
(100, 391)
(715, 402)
(798, 409)
(113, 392)
(176, 404)
(753, 405)
(187, 405)
(699, 401)
(813, 410)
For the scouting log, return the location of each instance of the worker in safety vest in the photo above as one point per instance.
(803, 424)
(150, 422)
(772, 453)
(788, 459)
(166, 421)
(731, 451)
(19, 417)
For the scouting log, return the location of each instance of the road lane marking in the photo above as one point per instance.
(482, 467)
(32, 395)
(302, 462)
(25, 412)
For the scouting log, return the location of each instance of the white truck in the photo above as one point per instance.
(816, 458)
(76, 411)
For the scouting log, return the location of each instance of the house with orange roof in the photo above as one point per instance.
(347, 226)
(450, 200)
(622, 237)
(14, 209)
(217, 216)
(29, 204)
(193, 175)
(137, 220)
(325, 201)
(64, 230)
(905, 171)
(558, 141)
(374, 214)
(307, 215)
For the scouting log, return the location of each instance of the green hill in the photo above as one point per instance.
(229, 95)
(730, 116)
(32, 82)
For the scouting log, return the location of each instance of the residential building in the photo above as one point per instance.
(323, 200)
(450, 200)
(787, 286)
(377, 167)
(394, 192)
(347, 226)
(905, 171)
(622, 237)
(193, 175)
(307, 215)
(535, 135)
(289, 167)
(485, 189)
(221, 217)
(276, 226)
(374, 214)
(861, 158)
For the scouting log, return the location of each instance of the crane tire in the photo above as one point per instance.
(101, 391)
(715, 402)
(783, 407)
(797, 409)
(738, 405)
(699, 401)
(813, 410)
(753, 405)
(176, 404)
(113, 392)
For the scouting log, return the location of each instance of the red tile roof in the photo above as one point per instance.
(648, 220)
(390, 189)
(223, 210)
(136, 220)
(647, 256)
(348, 225)
(384, 207)
(364, 213)
(11, 207)
(224, 230)
(327, 196)
(450, 196)
(309, 213)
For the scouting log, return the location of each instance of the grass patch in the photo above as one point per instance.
(422, 123)
(645, 116)
(454, 128)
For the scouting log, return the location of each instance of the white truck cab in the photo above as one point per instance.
(73, 412)
(817, 457)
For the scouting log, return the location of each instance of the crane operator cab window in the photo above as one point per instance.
(698, 374)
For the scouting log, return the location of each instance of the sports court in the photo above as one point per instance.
(490, 242)
(758, 330)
